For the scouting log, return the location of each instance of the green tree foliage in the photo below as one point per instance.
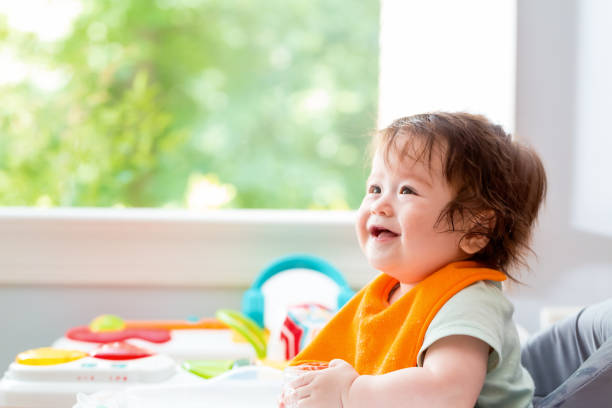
(275, 99)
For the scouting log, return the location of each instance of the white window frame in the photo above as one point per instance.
(155, 247)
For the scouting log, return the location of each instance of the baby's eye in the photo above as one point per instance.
(407, 190)
(373, 189)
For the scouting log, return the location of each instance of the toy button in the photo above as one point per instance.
(84, 333)
(48, 356)
(120, 351)
(106, 323)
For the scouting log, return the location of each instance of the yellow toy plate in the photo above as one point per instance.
(49, 356)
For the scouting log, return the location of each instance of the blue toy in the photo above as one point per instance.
(253, 300)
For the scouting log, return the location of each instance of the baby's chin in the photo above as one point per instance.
(384, 267)
(401, 274)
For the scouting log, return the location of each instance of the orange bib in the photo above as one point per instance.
(377, 338)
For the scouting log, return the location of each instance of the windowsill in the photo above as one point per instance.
(155, 247)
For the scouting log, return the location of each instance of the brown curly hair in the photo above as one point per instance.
(499, 183)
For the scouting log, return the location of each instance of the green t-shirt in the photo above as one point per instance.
(482, 311)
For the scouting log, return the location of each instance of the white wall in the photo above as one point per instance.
(558, 102)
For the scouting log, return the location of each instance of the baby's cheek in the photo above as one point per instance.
(360, 230)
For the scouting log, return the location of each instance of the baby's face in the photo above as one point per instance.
(396, 224)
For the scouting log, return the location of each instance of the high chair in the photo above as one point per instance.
(571, 361)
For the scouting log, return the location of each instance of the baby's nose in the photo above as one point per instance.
(382, 206)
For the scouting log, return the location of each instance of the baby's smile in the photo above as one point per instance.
(381, 233)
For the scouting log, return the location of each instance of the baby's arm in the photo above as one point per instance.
(452, 375)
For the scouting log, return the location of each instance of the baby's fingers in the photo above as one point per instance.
(302, 380)
(337, 362)
(302, 393)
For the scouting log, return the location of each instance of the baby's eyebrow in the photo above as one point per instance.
(420, 178)
(424, 176)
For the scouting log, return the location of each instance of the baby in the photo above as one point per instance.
(448, 212)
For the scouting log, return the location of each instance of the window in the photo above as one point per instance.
(592, 199)
(186, 103)
(448, 55)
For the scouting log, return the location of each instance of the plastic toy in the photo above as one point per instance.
(253, 299)
(212, 368)
(115, 323)
(173, 357)
(252, 386)
(205, 339)
(301, 325)
(85, 334)
(107, 323)
(51, 378)
(247, 328)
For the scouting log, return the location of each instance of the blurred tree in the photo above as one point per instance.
(270, 101)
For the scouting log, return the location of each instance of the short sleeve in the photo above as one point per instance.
(479, 311)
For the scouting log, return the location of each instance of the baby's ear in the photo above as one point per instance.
(480, 226)
(472, 244)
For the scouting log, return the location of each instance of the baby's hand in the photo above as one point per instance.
(325, 388)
